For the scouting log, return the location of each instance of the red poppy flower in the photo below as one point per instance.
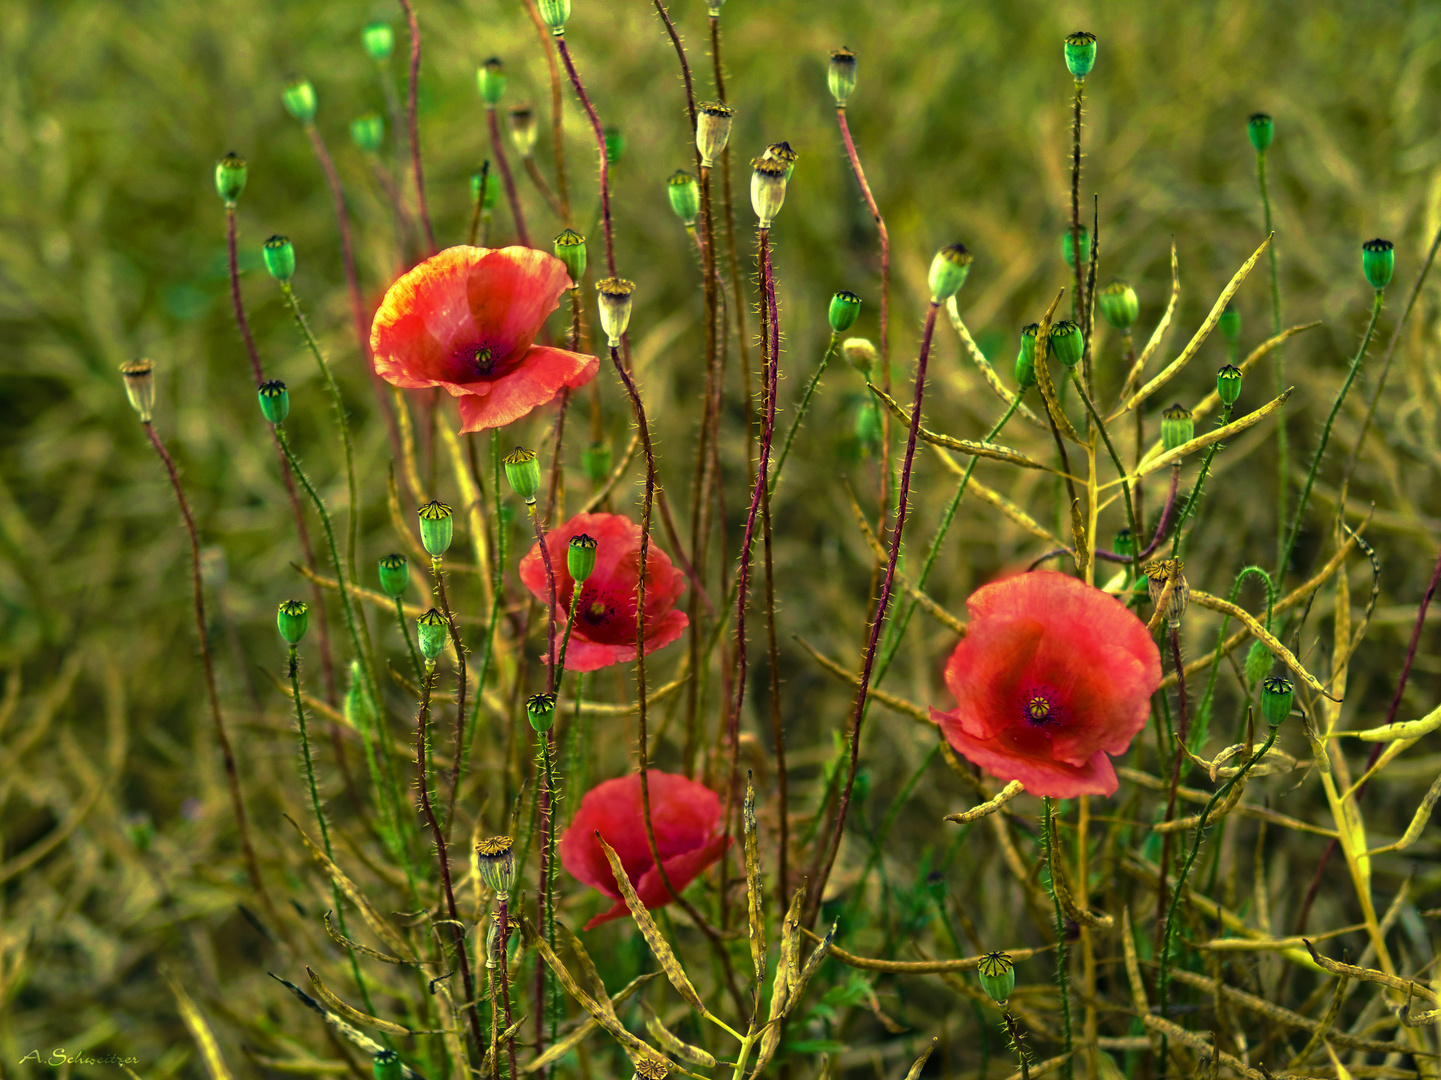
(466, 319)
(1052, 676)
(686, 817)
(605, 617)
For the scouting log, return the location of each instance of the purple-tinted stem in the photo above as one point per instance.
(551, 600)
(1166, 512)
(413, 25)
(459, 692)
(503, 917)
(497, 147)
(600, 150)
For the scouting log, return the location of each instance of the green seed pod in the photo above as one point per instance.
(844, 311)
(868, 425)
(1026, 357)
(523, 129)
(1276, 696)
(386, 1064)
(860, 354)
(368, 132)
(299, 98)
(712, 130)
(1228, 384)
(492, 188)
(1119, 304)
(615, 303)
(1258, 662)
(1378, 261)
(998, 976)
(279, 258)
(684, 195)
(394, 575)
(1069, 254)
(230, 174)
(1124, 543)
(949, 269)
(580, 557)
(496, 858)
(554, 13)
(1178, 427)
(768, 188)
(490, 80)
(378, 39)
(1261, 130)
(1230, 324)
(1080, 53)
(614, 144)
(292, 620)
(437, 528)
(1067, 344)
(139, 376)
(522, 471)
(431, 629)
(570, 249)
(596, 461)
(841, 77)
(274, 401)
(783, 153)
(540, 711)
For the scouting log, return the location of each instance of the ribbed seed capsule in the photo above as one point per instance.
(437, 527)
(570, 249)
(1261, 131)
(523, 129)
(1067, 344)
(274, 401)
(615, 304)
(845, 309)
(522, 472)
(394, 575)
(495, 856)
(279, 258)
(1026, 357)
(1178, 426)
(292, 619)
(1161, 573)
(841, 76)
(230, 174)
(1228, 384)
(490, 80)
(768, 188)
(430, 631)
(596, 461)
(1119, 304)
(540, 711)
(1080, 53)
(378, 39)
(1123, 544)
(998, 976)
(580, 557)
(1230, 324)
(386, 1064)
(1277, 693)
(554, 13)
(949, 269)
(684, 193)
(368, 132)
(1068, 247)
(139, 376)
(1378, 262)
(299, 98)
(712, 130)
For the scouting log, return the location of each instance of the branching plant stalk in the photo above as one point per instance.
(437, 572)
(600, 150)
(1063, 955)
(409, 642)
(1195, 496)
(1278, 365)
(412, 87)
(1078, 298)
(802, 407)
(1100, 427)
(497, 147)
(557, 105)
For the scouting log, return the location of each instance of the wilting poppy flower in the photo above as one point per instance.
(686, 817)
(466, 319)
(1052, 676)
(605, 617)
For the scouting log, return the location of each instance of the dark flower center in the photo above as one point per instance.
(482, 358)
(1041, 706)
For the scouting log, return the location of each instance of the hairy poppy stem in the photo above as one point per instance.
(478, 205)
(409, 642)
(1278, 366)
(507, 180)
(460, 688)
(413, 26)
(805, 404)
(1195, 496)
(556, 109)
(600, 149)
(1078, 298)
(1063, 953)
(503, 918)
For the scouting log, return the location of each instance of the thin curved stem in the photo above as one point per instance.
(439, 576)
(600, 150)
(1196, 490)
(1100, 426)
(409, 642)
(801, 409)
(413, 25)
(497, 147)
(557, 132)
(1278, 363)
(1063, 953)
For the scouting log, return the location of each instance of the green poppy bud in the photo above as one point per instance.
(1276, 696)
(615, 303)
(554, 13)
(1026, 358)
(394, 575)
(230, 173)
(783, 153)
(386, 1064)
(580, 557)
(768, 188)
(279, 258)
(491, 195)
(595, 460)
(1230, 324)
(614, 144)
(1261, 130)
(523, 129)
(274, 401)
(949, 269)
(437, 528)
(522, 471)
(845, 310)
(1378, 260)
(431, 630)
(841, 77)
(1080, 53)
(998, 976)
(1258, 662)
(1067, 344)
(1178, 427)
(868, 425)
(496, 858)
(1228, 384)
(1119, 304)
(684, 195)
(712, 130)
(570, 249)
(860, 354)
(1067, 247)
(1124, 543)
(368, 132)
(292, 619)
(490, 80)
(299, 98)
(378, 39)
(139, 376)
(540, 711)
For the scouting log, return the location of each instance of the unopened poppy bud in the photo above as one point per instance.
(540, 711)
(523, 129)
(431, 629)
(292, 619)
(394, 575)
(230, 173)
(1261, 130)
(299, 98)
(491, 193)
(368, 132)
(490, 80)
(615, 302)
(1119, 304)
(139, 376)
(841, 77)
(1068, 247)
(1080, 53)
(1228, 384)
(495, 856)
(378, 39)
(1124, 543)
(522, 471)
(596, 461)
(998, 976)
(437, 528)
(684, 195)
(1277, 694)
(1230, 324)
(279, 258)
(712, 130)
(1378, 261)
(768, 188)
(570, 249)
(845, 310)
(1178, 426)
(554, 13)
(1161, 573)
(1026, 357)
(650, 1068)
(274, 401)
(949, 270)
(868, 425)
(614, 140)
(386, 1064)
(1067, 344)
(580, 557)
(860, 354)
(783, 153)
(1258, 662)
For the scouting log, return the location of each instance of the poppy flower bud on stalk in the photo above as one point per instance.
(299, 98)
(1378, 262)
(570, 249)
(1230, 324)
(386, 1064)
(1080, 53)
(596, 461)
(540, 711)
(860, 354)
(437, 528)
(495, 856)
(554, 13)
(1161, 573)
(292, 619)
(1228, 384)
(394, 575)
(1178, 427)
(279, 258)
(712, 130)
(1258, 662)
(523, 129)
(1026, 358)
(274, 401)
(615, 303)
(139, 376)
(1124, 543)
(522, 472)
(1067, 344)
(580, 557)
(684, 194)
(1119, 304)
(431, 630)
(490, 81)
(998, 976)
(230, 173)
(368, 132)
(844, 311)
(949, 270)
(1067, 247)
(768, 188)
(378, 39)
(1277, 694)
(1261, 131)
(841, 77)
(867, 425)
